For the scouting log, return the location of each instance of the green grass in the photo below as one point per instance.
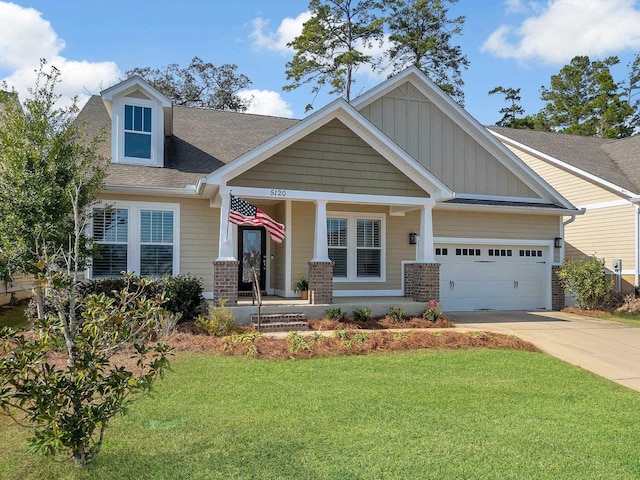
(623, 318)
(13, 317)
(484, 414)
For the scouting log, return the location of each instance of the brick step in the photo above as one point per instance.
(280, 322)
(282, 326)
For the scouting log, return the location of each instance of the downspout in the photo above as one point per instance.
(564, 224)
(636, 280)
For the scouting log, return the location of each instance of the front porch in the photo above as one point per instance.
(272, 304)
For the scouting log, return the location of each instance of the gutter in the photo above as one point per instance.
(188, 191)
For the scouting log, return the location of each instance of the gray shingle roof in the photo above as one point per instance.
(615, 161)
(203, 140)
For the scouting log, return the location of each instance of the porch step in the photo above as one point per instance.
(280, 322)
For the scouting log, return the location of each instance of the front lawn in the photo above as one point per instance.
(422, 414)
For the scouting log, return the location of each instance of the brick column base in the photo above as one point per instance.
(320, 282)
(557, 292)
(225, 282)
(422, 281)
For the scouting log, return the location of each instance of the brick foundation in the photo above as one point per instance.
(422, 281)
(320, 282)
(225, 282)
(557, 292)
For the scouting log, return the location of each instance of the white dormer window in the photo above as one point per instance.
(137, 131)
(141, 117)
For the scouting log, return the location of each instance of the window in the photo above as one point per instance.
(337, 242)
(137, 131)
(110, 232)
(468, 252)
(356, 247)
(494, 252)
(140, 237)
(368, 248)
(442, 251)
(156, 242)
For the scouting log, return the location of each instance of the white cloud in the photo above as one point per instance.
(289, 28)
(25, 38)
(566, 28)
(266, 102)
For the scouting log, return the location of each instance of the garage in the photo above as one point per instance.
(494, 276)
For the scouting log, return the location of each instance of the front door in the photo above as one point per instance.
(252, 248)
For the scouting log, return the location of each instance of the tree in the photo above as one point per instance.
(49, 174)
(510, 112)
(420, 34)
(333, 45)
(583, 99)
(198, 85)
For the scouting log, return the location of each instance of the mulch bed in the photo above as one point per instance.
(349, 342)
(382, 323)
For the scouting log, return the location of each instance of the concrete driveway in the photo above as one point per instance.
(611, 350)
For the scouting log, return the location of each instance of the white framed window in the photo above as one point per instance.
(356, 246)
(142, 237)
(137, 131)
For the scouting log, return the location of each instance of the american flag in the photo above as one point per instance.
(243, 213)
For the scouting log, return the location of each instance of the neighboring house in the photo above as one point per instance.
(601, 176)
(400, 193)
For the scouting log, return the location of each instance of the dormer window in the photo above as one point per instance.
(141, 117)
(137, 131)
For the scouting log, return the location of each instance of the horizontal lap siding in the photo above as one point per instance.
(332, 159)
(494, 225)
(442, 146)
(199, 225)
(607, 233)
(575, 189)
(302, 239)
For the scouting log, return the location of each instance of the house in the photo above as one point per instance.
(400, 193)
(600, 177)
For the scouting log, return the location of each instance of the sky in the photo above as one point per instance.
(511, 43)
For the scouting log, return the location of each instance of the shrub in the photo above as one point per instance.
(396, 314)
(183, 294)
(335, 314)
(586, 280)
(297, 342)
(630, 305)
(431, 314)
(220, 322)
(362, 314)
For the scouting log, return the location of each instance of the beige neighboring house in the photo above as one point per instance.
(600, 176)
(400, 193)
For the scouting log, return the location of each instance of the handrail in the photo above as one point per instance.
(256, 294)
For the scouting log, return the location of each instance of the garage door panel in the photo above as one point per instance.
(511, 278)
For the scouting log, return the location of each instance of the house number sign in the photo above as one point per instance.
(275, 192)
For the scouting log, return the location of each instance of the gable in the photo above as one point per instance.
(449, 152)
(330, 159)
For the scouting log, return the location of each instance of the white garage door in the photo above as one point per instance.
(493, 277)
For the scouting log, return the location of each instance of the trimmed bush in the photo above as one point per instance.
(183, 294)
(586, 280)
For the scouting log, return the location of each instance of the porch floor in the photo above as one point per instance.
(281, 305)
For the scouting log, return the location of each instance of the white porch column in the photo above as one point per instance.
(425, 243)
(227, 237)
(320, 246)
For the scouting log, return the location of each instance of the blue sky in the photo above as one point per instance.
(513, 43)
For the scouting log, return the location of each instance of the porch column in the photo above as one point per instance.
(320, 245)
(425, 242)
(320, 266)
(227, 237)
(225, 267)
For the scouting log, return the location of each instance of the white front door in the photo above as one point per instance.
(494, 277)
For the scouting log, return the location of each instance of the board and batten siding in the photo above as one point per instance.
(443, 147)
(199, 226)
(331, 159)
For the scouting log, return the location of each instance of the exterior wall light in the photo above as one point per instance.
(413, 238)
(557, 242)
